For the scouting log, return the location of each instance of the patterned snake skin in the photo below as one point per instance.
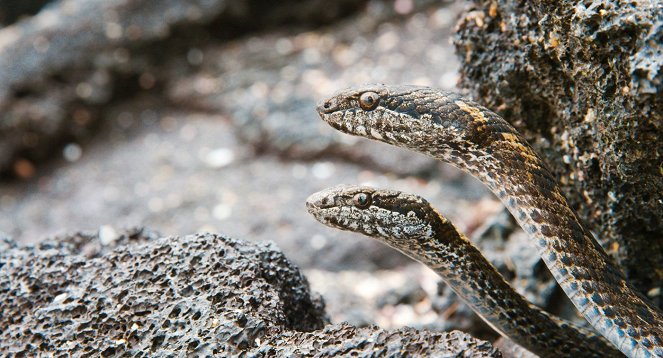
(409, 224)
(471, 137)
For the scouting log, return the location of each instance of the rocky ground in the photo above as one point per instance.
(201, 295)
(221, 136)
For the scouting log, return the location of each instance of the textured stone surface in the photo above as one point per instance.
(583, 82)
(59, 68)
(347, 341)
(201, 294)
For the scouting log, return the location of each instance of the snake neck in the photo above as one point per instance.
(477, 282)
(588, 276)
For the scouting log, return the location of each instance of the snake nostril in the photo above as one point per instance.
(326, 106)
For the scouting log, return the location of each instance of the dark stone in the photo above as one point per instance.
(410, 293)
(202, 294)
(12, 10)
(348, 341)
(582, 82)
(62, 66)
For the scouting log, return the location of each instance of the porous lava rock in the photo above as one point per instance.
(201, 294)
(583, 81)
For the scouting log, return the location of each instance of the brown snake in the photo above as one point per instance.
(475, 139)
(409, 224)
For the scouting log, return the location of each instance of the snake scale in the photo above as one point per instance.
(469, 136)
(409, 224)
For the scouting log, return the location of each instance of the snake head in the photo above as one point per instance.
(389, 215)
(394, 114)
(428, 120)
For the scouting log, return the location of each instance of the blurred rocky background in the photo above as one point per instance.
(198, 116)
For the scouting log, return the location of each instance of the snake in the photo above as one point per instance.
(408, 223)
(463, 133)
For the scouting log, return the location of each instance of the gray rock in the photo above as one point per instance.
(199, 294)
(202, 294)
(62, 66)
(347, 341)
(582, 81)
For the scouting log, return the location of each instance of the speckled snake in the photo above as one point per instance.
(409, 224)
(461, 132)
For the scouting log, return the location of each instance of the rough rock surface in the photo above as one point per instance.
(201, 294)
(583, 82)
(348, 341)
(61, 66)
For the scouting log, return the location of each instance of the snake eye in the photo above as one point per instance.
(362, 200)
(369, 100)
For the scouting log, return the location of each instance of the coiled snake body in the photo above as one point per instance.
(409, 224)
(475, 139)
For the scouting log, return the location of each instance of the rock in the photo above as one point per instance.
(92, 244)
(62, 66)
(409, 293)
(582, 81)
(347, 341)
(12, 10)
(201, 294)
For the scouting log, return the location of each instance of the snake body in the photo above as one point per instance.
(409, 224)
(467, 135)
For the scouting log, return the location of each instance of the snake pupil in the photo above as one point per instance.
(369, 100)
(362, 200)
